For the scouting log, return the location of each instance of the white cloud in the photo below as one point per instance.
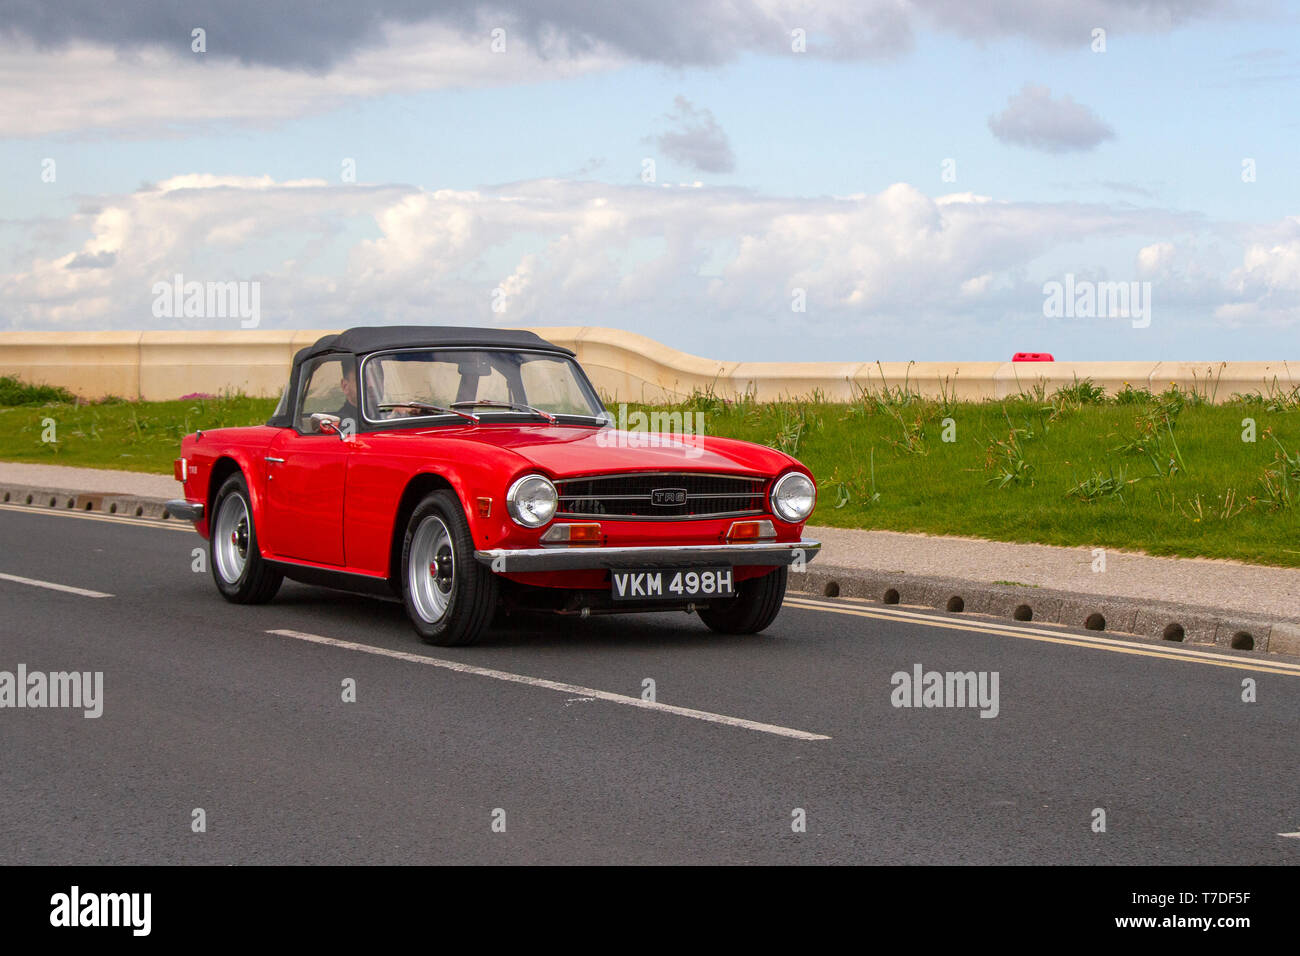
(1154, 260)
(1266, 285)
(661, 261)
(1270, 268)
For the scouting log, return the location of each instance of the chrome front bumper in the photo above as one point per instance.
(185, 510)
(575, 558)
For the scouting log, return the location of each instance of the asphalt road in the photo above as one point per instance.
(205, 707)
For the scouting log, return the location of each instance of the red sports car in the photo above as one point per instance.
(471, 471)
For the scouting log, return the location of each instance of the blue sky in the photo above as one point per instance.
(829, 180)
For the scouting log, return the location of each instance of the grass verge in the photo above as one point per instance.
(131, 436)
(1169, 474)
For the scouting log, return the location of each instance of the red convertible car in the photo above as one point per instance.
(471, 471)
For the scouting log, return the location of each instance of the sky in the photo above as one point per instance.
(934, 180)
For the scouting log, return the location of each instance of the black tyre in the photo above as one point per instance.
(241, 574)
(755, 606)
(450, 598)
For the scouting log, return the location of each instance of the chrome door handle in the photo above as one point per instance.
(274, 461)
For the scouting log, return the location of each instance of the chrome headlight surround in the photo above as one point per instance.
(793, 497)
(532, 501)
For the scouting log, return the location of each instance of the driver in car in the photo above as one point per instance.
(350, 412)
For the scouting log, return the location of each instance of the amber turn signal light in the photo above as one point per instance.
(750, 531)
(573, 534)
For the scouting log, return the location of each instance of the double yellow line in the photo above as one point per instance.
(1027, 633)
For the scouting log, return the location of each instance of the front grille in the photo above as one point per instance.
(633, 496)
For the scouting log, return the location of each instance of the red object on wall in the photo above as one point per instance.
(1033, 357)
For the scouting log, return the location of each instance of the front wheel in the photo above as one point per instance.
(242, 575)
(450, 598)
(755, 606)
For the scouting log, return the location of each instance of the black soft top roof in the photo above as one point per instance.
(380, 338)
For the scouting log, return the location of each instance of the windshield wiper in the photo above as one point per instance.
(515, 406)
(426, 407)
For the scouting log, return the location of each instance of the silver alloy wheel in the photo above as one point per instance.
(431, 569)
(230, 538)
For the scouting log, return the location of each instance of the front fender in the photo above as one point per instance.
(210, 463)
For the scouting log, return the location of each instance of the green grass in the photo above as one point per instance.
(16, 392)
(131, 436)
(1167, 474)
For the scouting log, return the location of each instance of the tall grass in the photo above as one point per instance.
(1166, 472)
(1170, 472)
(14, 392)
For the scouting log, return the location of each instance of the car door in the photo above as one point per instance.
(306, 469)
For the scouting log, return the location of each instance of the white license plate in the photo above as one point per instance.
(668, 585)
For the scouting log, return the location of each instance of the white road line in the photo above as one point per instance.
(167, 525)
(1295, 835)
(571, 689)
(54, 587)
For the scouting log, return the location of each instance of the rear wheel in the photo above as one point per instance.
(755, 606)
(450, 597)
(241, 574)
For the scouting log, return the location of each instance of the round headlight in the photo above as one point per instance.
(532, 500)
(793, 497)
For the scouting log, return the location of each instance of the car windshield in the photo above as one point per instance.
(405, 384)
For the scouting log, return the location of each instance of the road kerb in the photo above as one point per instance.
(1107, 614)
(1176, 622)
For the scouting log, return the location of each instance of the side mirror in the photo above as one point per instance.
(326, 424)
